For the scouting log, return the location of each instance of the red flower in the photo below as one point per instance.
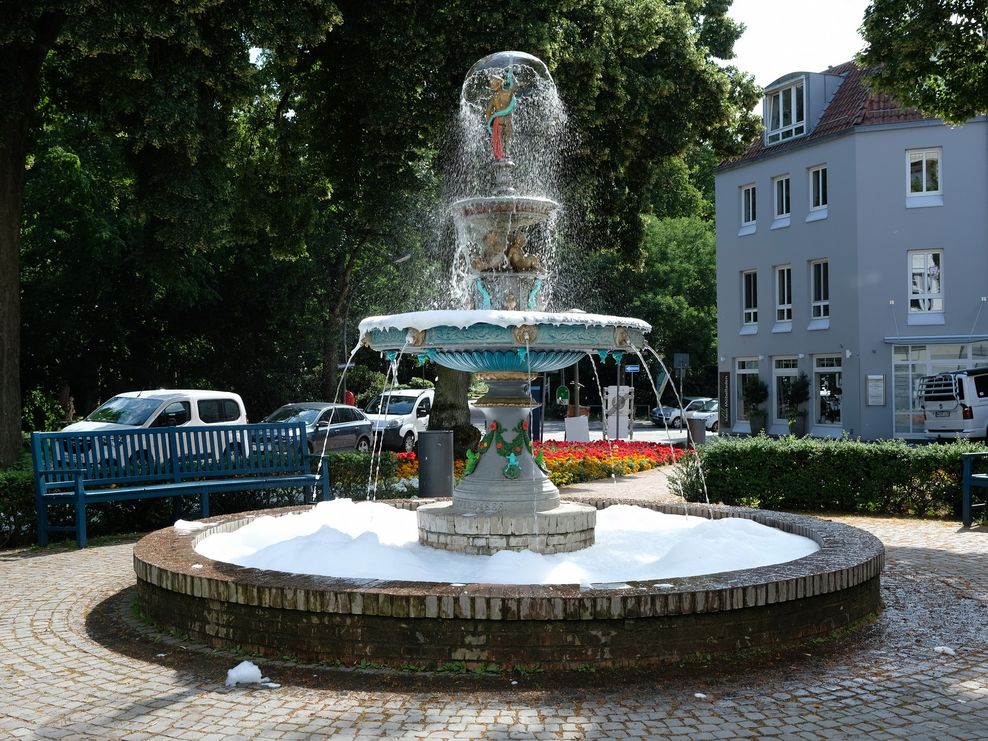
(524, 424)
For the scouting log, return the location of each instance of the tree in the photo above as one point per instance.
(929, 54)
(167, 76)
(675, 291)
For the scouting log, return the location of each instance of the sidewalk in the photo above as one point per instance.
(75, 663)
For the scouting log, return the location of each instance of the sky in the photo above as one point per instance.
(785, 36)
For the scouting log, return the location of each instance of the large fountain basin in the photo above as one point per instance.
(557, 627)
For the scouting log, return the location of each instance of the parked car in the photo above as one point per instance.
(709, 413)
(328, 426)
(135, 410)
(399, 416)
(955, 403)
(163, 408)
(671, 416)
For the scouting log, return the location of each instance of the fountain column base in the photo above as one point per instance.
(568, 527)
(505, 501)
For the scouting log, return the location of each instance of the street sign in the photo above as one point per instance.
(680, 360)
(632, 368)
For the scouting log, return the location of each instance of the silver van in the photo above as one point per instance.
(955, 403)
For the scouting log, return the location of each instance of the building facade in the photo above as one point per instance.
(852, 246)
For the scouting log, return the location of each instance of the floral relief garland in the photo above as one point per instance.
(506, 449)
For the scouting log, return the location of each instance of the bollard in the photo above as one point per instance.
(435, 453)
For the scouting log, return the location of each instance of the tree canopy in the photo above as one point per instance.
(212, 193)
(930, 54)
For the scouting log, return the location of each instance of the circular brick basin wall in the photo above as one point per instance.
(553, 627)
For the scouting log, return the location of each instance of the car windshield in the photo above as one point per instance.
(710, 406)
(394, 405)
(125, 410)
(293, 414)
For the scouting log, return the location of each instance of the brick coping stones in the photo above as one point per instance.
(556, 627)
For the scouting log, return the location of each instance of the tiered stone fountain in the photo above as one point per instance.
(505, 501)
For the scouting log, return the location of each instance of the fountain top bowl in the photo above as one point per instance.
(528, 70)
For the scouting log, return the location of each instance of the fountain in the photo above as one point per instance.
(505, 501)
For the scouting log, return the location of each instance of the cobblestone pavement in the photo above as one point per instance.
(75, 664)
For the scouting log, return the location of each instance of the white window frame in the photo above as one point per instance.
(819, 195)
(749, 298)
(820, 292)
(827, 406)
(782, 368)
(783, 293)
(925, 195)
(743, 367)
(926, 293)
(749, 209)
(793, 94)
(781, 200)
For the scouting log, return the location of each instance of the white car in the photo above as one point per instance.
(709, 413)
(163, 408)
(137, 410)
(399, 416)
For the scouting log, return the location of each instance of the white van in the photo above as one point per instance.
(163, 408)
(399, 416)
(955, 403)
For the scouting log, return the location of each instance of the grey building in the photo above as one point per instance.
(852, 246)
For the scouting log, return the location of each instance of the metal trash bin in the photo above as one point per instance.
(697, 431)
(435, 452)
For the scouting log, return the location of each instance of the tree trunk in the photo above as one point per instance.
(20, 72)
(451, 411)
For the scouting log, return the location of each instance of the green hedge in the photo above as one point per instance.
(804, 474)
(17, 504)
(348, 474)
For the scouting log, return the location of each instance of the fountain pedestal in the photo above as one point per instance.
(505, 501)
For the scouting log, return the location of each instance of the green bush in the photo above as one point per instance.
(844, 475)
(350, 474)
(17, 518)
(418, 383)
(41, 413)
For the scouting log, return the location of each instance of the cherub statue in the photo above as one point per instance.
(517, 259)
(491, 256)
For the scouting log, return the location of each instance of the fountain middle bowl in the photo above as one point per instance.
(503, 341)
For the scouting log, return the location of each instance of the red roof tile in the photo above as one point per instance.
(852, 105)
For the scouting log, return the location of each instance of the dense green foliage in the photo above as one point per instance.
(216, 192)
(930, 54)
(804, 474)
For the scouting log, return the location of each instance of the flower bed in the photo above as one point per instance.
(572, 463)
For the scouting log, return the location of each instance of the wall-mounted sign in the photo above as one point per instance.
(876, 390)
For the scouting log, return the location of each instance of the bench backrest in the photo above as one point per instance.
(168, 454)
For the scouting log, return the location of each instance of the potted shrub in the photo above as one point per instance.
(756, 394)
(798, 394)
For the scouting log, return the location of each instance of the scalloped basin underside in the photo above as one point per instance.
(554, 627)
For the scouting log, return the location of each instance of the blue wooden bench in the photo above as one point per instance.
(82, 468)
(971, 479)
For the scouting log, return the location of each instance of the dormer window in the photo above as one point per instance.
(785, 113)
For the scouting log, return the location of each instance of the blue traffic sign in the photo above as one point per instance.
(632, 368)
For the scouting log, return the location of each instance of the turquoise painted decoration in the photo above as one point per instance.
(536, 287)
(522, 352)
(617, 356)
(484, 294)
(431, 354)
(603, 355)
(391, 355)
